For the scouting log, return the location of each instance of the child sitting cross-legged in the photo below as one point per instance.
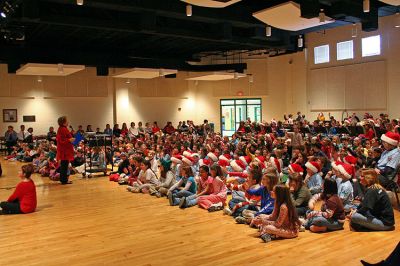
(241, 199)
(185, 187)
(167, 177)
(203, 188)
(332, 216)
(147, 180)
(268, 182)
(216, 200)
(283, 222)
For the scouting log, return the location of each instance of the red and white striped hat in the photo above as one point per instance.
(238, 165)
(313, 166)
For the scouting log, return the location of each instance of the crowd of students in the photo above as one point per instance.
(274, 179)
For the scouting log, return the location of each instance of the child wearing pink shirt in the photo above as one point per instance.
(216, 200)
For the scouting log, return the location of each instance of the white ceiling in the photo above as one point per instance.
(287, 16)
(217, 76)
(144, 73)
(211, 3)
(48, 69)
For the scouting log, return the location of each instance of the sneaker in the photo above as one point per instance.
(182, 203)
(158, 195)
(171, 199)
(302, 229)
(129, 188)
(227, 211)
(240, 220)
(266, 238)
(215, 207)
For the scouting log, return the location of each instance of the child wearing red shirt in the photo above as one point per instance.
(23, 200)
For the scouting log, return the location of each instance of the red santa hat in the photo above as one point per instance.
(391, 138)
(296, 168)
(245, 159)
(187, 153)
(204, 162)
(194, 154)
(350, 160)
(188, 160)
(313, 166)
(260, 159)
(238, 165)
(275, 162)
(223, 163)
(347, 170)
(336, 164)
(212, 156)
(177, 159)
(225, 157)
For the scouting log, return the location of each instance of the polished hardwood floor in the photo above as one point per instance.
(97, 222)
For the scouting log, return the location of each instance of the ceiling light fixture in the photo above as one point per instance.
(300, 41)
(397, 20)
(366, 6)
(39, 79)
(268, 31)
(128, 81)
(60, 68)
(251, 78)
(189, 10)
(354, 30)
(79, 2)
(321, 16)
(3, 14)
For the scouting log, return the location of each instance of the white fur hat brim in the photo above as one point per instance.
(311, 167)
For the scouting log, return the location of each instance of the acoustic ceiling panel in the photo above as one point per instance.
(287, 16)
(211, 3)
(145, 73)
(31, 69)
(217, 76)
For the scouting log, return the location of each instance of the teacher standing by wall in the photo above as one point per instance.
(65, 149)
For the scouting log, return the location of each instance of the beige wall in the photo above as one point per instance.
(369, 84)
(83, 97)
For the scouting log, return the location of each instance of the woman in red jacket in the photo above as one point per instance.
(65, 149)
(23, 200)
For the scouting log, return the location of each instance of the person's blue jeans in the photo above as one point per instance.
(191, 200)
(373, 224)
(330, 224)
(176, 196)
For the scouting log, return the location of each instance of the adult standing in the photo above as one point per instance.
(65, 149)
(11, 139)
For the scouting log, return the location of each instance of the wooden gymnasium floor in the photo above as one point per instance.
(96, 222)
